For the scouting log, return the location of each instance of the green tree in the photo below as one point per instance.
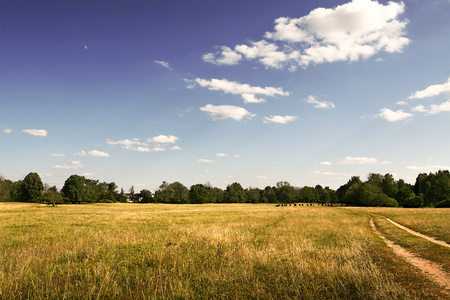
(52, 196)
(342, 190)
(268, 195)
(76, 189)
(309, 195)
(253, 195)
(31, 188)
(198, 194)
(285, 192)
(389, 185)
(234, 193)
(146, 196)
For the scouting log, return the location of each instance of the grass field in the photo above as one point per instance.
(235, 251)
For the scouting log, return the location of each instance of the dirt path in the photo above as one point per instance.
(431, 269)
(442, 243)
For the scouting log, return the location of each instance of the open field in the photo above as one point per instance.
(235, 251)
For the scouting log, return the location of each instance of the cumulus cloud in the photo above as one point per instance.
(247, 92)
(279, 119)
(358, 161)
(7, 130)
(73, 165)
(349, 32)
(175, 148)
(205, 161)
(432, 90)
(93, 153)
(225, 56)
(319, 104)
(35, 132)
(393, 116)
(325, 163)
(222, 112)
(164, 64)
(164, 139)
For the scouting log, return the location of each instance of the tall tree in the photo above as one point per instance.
(198, 194)
(234, 193)
(31, 188)
(76, 189)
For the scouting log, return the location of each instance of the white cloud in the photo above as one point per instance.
(393, 116)
(438, 108)
(402, 103)
(142, 149)
(247, 92)
(93, 153)
(222, 112)
(164, 139)
(127, 144)
(319, 104)
(419, 108)
(279, 119)
(237, 156)
(358, 161)
(205, 161)
(325, 163)
(260, 177)
(7, 130)
(432, 90)
(57, 155)
(226, 57)
(222, 154)
(73, 165)
(164, 64)
(36, 132)
(349, 32)
(175, 148)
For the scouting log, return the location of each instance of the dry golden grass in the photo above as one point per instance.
(237, 251)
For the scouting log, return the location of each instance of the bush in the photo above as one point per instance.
(413, 202)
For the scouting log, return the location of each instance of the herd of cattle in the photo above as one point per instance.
(307, 204)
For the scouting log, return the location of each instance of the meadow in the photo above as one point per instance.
(212, 251)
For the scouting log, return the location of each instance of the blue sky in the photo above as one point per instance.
(141, 92)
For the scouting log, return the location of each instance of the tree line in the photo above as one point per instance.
(429, 190)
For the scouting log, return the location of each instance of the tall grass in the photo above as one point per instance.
(239, 251)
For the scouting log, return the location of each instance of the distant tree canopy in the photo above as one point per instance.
(429, 190)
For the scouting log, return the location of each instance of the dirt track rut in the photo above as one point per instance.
(431, 269)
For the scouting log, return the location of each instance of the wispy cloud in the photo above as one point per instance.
(279, 119)
(36, 132)
(319, 104)
(358, 161)
(205, 161)
(164, 64)
(349, 32)
(57, 155)
(222, 112)
(247, 92)
(7, 130)
(96, 153)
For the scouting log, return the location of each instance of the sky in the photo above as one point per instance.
(256, 92)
